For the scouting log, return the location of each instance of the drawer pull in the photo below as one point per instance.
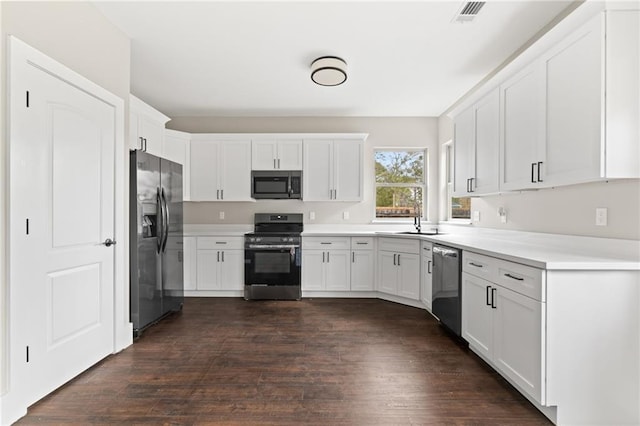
(514, 277)
(325, 243)
(221, 242)
(362, 244)
(475, 264)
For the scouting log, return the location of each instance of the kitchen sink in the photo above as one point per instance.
(420, 233)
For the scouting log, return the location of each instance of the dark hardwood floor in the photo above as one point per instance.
(316, 361)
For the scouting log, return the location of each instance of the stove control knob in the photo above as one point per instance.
(252, 239)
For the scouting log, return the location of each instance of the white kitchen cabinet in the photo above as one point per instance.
(399, 267)
(362, 264)
(426, 273)
(220, 170)
(326, 263)
(332, 170)
(523, 129)
(190, 263)
(503, 318)
(280, 154)
(476, 147)
(176, 148)
(146, 127)
(572, 116)
(220, 263)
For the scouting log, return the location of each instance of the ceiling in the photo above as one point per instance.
(240, 58)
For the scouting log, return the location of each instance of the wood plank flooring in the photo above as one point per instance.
(315, 361)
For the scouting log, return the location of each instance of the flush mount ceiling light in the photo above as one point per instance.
(329, 71)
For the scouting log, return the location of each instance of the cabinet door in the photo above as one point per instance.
(317, 178)
(522, 111)
(463, 146)
(153, 133)
(135, 141)
(235, 168)
(205, 156)
(290, 154)
(264, 154)
(387, 272)
(231, 270)
(409, 276)
(347, 168)
(337, 267)
(477, 314)
(574, 106)
(190, 263)
(518, 346)
(313, 269)
(207, 270)
(362, 267)
(487, 144)
(426, 277)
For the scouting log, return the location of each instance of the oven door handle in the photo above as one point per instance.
(273, 247)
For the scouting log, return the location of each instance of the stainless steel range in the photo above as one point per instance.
(272, 257)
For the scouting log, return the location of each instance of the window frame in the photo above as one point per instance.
(448, 155)
(423, 185)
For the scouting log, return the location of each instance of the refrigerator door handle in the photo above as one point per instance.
(165, 222)
(160, 220)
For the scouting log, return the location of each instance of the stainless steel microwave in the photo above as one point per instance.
(276, 185)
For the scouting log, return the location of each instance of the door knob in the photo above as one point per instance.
(109, 242)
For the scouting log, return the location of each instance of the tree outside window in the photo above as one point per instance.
(400, 183)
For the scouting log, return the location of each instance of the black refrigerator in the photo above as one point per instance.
(156, 243)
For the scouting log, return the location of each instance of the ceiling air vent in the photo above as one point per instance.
(468, 11)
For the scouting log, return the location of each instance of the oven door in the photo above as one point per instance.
(272, 265)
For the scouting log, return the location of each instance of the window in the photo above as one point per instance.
(400, 183)
(457, 207)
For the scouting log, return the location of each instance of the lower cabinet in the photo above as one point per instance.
(426, 273)
(501, 323)
(362, 264)
(399, 267)
(219, 264)
(326, 270)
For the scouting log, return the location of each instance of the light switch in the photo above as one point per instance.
(476, 215)
(601, 216)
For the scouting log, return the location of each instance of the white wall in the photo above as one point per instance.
(563, 210)
(77, 35)
(383, 132)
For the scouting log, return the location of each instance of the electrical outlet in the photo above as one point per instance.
(345, 215)
(601, 216)
(476, 215)
(221, 215)
(312, 215)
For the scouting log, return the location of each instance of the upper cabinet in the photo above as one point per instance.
(477, 133)
(280, 154)
(570, 116)
(220, 169)
(146, 127)
(332, 170)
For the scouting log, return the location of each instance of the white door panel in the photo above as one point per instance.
(62, 276)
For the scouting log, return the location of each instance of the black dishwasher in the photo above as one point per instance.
(446, 302)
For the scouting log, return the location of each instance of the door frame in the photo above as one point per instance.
(12, 405)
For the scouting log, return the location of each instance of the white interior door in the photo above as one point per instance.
(62, 210)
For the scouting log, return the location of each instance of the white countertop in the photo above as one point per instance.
(547, 251)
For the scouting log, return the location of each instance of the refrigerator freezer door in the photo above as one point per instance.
(145, 231)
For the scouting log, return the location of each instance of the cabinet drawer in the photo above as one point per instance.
(426, 248)
(362, 243)
(221, 243)
(479, 265)
(523, 279)
(326, 243)
(399, 245)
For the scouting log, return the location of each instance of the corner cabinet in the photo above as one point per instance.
(220, 170)
(476, 147)
(146, 127)
(333, 170)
